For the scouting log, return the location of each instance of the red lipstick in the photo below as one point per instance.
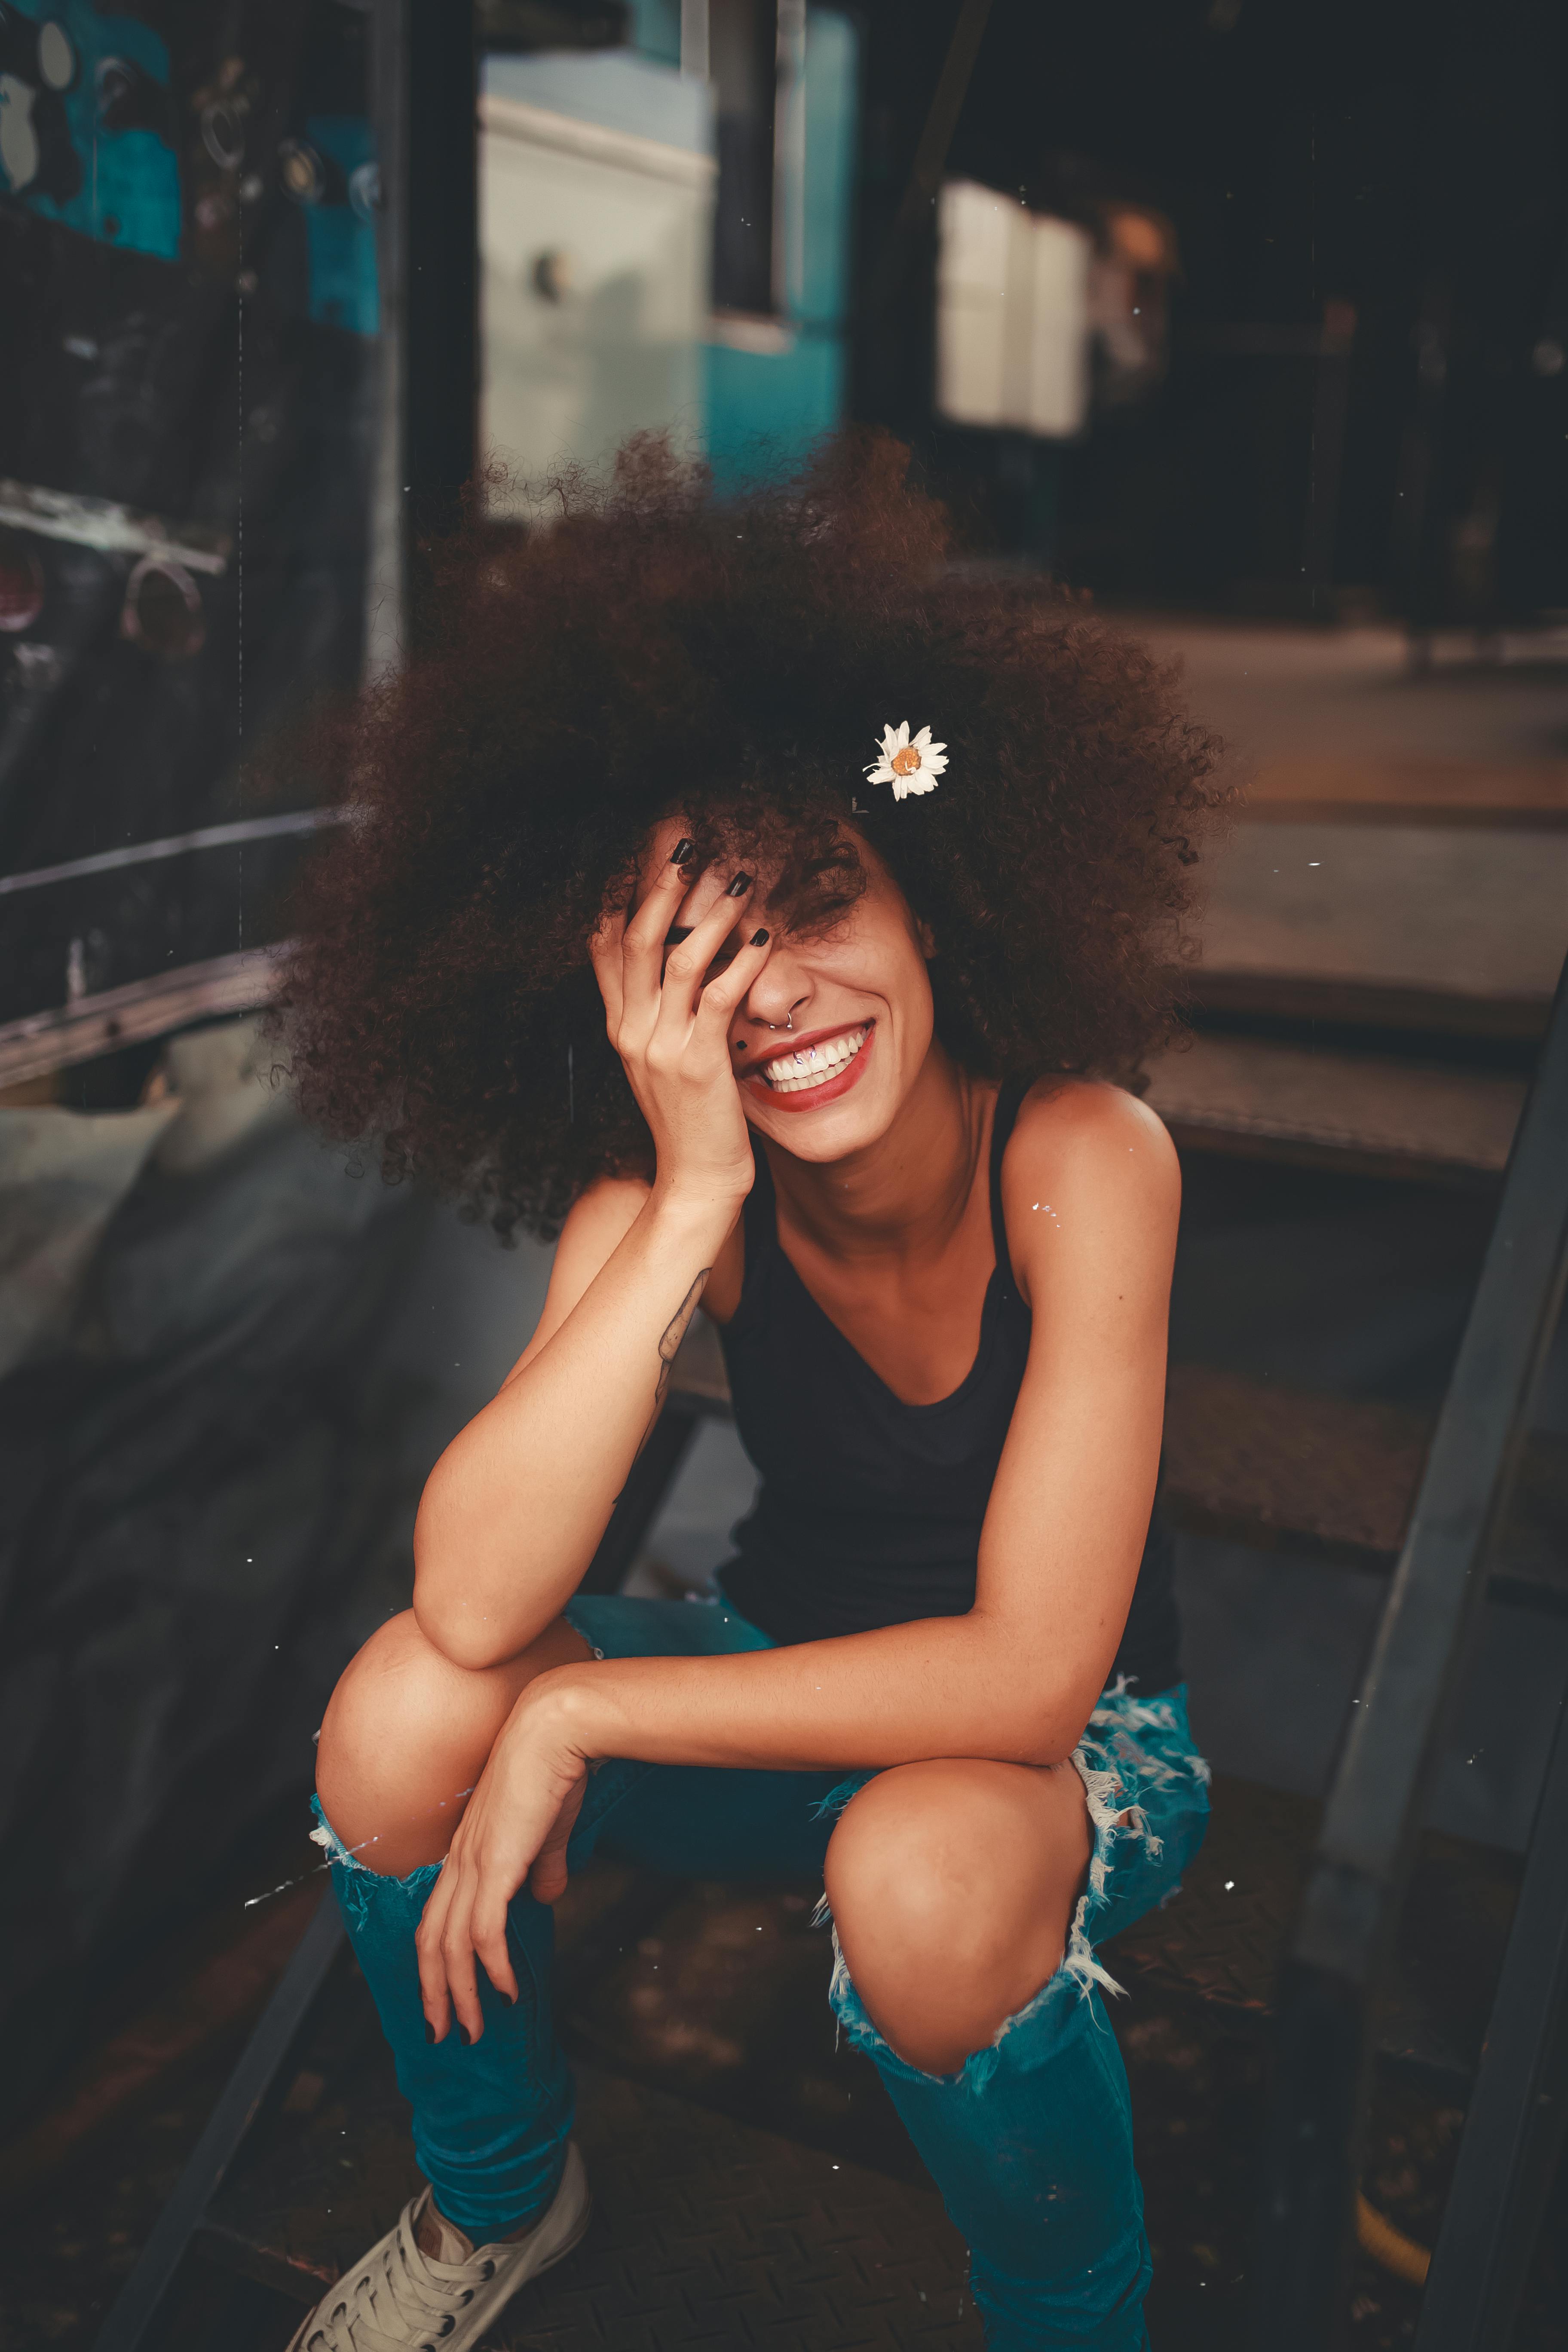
(810, 1098)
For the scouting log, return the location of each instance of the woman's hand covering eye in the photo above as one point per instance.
(668, 1011)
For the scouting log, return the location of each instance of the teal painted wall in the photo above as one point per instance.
(765, 411)
(655, 30)
(341, 238)
(765, 415)
(129, 190)
(832, 99)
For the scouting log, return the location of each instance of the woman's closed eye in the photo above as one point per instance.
(723, 955)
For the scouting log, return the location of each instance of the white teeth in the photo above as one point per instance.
(792, 1074)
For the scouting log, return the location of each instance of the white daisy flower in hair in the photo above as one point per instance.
(908, 767)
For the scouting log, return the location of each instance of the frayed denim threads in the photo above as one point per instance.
(1146, 1787)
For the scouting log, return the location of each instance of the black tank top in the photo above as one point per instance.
(870, 1509)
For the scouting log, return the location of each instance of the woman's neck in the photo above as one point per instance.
(905, 1195)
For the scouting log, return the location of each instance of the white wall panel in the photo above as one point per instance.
(625, 223)
(1012, 343)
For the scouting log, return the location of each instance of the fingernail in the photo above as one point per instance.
(429, 2031)
(758, 939)
(464, 2036)
(739, 886)
(681, 851)
(511, 2000)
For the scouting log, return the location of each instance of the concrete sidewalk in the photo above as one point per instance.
(1398, 832)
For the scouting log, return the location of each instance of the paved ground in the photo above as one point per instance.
(1401, 830)
(1292, 701)
(1420, 907)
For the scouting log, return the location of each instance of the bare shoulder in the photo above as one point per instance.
(1090, 1123)
(1087, 1156)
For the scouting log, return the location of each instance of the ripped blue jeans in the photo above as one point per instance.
(1030, 2142)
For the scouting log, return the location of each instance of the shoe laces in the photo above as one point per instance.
(399, 2300)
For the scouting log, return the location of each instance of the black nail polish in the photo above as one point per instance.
(739, 886)
(758, 939)
(681, 851)
(464, 2036)
(429, 2031)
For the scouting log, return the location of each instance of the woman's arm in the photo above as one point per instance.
(513, 1511)
(1014, 1679)
(1017, 1677)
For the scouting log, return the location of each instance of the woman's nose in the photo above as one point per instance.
(776, 994)
(772, 1008)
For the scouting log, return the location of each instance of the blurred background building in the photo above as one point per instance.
(1248, 317)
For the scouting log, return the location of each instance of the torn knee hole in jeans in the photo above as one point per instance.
(358, 1884)
(1078, 1968)
(1116, 1767)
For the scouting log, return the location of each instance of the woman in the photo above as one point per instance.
(633, 934)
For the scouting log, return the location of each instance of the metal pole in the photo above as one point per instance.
(441, 362)
(136, 2305)
(386, 582)
(424, 65)
(946, 105)
(1331, 413)
(893, 359)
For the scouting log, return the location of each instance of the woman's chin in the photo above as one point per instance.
(831, 1130)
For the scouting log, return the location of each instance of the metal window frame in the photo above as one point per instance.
(767, 331)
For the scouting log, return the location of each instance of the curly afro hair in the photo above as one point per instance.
(640, 649)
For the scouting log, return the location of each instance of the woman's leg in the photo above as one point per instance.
(404, 1740)
(406, 1735)
(953, 1888)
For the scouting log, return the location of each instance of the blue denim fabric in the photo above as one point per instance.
(1030, 2143)
(490, 2123)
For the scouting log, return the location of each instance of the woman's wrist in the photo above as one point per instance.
(562, 1703)
(700, 1211)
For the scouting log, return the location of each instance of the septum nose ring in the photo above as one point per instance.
(787, 1023)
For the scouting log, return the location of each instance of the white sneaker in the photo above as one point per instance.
(399, 2299)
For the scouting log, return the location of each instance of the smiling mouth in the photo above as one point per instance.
(814, 1065)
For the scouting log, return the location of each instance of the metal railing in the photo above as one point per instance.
(1344, 1932)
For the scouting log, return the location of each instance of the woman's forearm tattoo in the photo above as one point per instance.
(675, 1330)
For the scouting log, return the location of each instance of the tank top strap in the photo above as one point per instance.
(1004, 1119)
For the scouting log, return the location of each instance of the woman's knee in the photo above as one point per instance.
(951, 1886)
(406, 1734)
